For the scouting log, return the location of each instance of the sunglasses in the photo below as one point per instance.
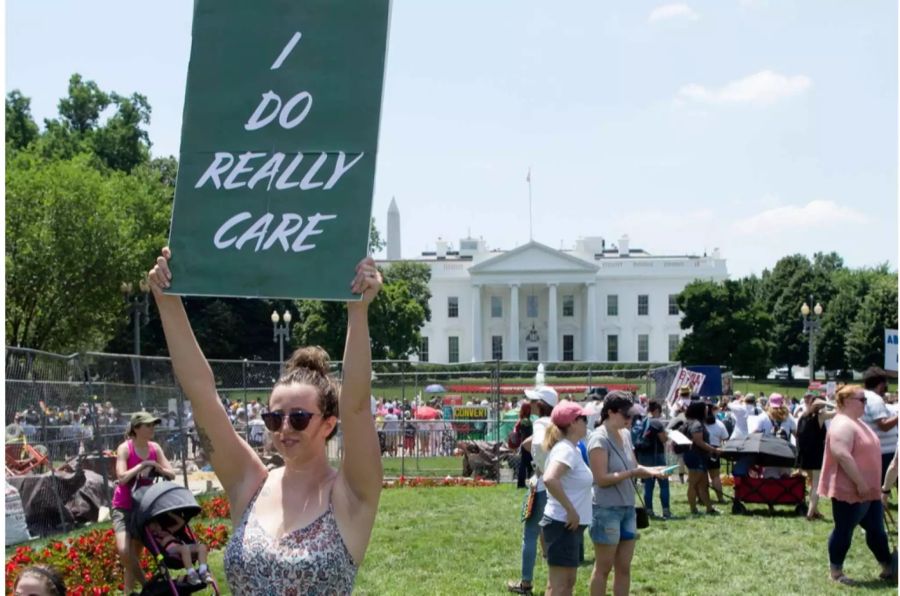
(625, 415)
(862, 399)
(582, 418)
(299, 419)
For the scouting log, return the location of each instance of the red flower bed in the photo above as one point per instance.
(420, 481)
(89, 563)
(216, 508)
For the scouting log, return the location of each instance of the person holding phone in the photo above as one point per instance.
(304, 527)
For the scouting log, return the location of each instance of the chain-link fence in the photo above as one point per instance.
(66, 414)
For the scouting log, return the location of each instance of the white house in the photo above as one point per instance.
(594, 303)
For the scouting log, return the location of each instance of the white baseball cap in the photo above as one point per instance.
(544, 393)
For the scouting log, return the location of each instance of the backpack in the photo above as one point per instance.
(640, 435)
(680, 425)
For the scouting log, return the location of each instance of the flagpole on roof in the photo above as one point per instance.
(530, 215)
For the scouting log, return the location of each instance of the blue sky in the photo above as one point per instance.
(761, 127)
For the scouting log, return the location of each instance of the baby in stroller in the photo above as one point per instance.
(166, 530)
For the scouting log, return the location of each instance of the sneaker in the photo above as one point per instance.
(667, 514)
(193, 579)
(206, 576)
(518, 587)
(712, 512)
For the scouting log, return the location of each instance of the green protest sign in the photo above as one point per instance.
(278, 146)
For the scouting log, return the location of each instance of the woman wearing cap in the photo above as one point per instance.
(136, 458)
(775, 421)
(302, 528)
(851, 475)
(613, 467)
(543, 399)
(811, 447)
(568, 511)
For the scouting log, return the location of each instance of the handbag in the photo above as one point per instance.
(643, 518)
(528, 505)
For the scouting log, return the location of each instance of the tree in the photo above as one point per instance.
(81, 110)
(727, 327)
(121, 143)
(21, 129)
(375, 241)
(395, 317)
(791, 283)
(73, 234)
(865, 340)
(851, 288)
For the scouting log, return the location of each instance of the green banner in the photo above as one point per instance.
(278, 147)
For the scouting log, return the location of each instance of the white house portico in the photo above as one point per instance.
(592, 303)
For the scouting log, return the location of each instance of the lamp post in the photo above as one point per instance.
(137, 305)
(281, 332)
(811, 324)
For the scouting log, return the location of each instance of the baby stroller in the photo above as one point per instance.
(151, 503)
(757, 451)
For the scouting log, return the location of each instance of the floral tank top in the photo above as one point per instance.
(312, 560)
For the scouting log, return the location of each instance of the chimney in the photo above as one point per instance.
(441, 251)
(623, 246)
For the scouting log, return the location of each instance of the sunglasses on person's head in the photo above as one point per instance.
(298, 419)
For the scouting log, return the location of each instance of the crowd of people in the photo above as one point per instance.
(586, 460)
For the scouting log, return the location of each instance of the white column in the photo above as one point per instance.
(591, 326)
(513, 351)
(476, 324)
(553, 326)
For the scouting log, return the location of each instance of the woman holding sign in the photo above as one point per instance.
(303, 528)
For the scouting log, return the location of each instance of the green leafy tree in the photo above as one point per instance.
(73, 234)
(395, 317)
(121, 143)
(851, 288)
(865, 340)
(727, 327)
(80, 110)
(791, 283)
(376, 243)
(21, 129)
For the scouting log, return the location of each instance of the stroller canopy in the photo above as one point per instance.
(764, 450)
(159, 498)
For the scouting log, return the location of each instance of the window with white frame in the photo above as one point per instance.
(612, 348)
(568, 302)
(674, 340)
(496, 307)
(423, 350)
(612, 305)
(452, 307)
(643, 354)
(453, 348)
(643, 304)
(673, 304)
(531, 306)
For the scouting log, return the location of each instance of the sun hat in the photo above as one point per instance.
(544, 393)
(142, 418)
(776, 400)
(565, 412)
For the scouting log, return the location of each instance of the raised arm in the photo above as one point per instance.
(236, 465)
(361, 469)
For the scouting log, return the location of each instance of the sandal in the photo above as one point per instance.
(519, 587)
(843, 579)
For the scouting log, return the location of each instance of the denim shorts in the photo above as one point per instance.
(611, 525)
(563, 545)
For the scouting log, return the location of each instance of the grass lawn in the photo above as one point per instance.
(467, 541)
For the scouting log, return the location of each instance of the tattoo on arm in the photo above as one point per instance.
(205, 443)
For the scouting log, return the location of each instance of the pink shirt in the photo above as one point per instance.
(122, 497)
(866, 452)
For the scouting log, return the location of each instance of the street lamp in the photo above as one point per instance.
(811, 325)
(137, 305)
(281, 333)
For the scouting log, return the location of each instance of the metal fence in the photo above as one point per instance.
(72, 409)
